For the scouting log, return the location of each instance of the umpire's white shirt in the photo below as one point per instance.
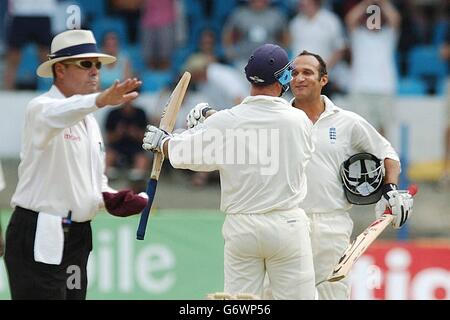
(62, 157)
(337, 135)
(249, 187)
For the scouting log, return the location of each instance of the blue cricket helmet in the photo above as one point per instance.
(268, 64)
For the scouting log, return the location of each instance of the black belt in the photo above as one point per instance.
(35, 213)
(18, 208)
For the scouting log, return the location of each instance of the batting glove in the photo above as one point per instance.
(124, 203)
(197, 114)
(154, 139)
(400, 203)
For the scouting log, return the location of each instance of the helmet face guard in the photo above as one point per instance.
(284, 76)
(362, 178)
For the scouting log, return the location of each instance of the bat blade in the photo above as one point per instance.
(361, 243)
(359, 246)
(168, 119)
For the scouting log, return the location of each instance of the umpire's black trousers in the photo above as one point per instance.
(29, 279)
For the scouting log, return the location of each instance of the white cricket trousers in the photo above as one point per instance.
(276, 242)
(330, 236)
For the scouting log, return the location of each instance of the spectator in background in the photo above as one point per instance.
(28, 22)
(250, 26)
(130, 11)
(208, 45)
(444, 181)
(373, 72)
(220, 84)
(318, 30)
(158, 24)
(121, 69)
(125, 129)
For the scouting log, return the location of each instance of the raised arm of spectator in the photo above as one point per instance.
(335, 58)
(391, 14)
(339, 44)
(353, 17)
(393, 18)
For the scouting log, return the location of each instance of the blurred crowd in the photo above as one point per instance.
(375, 50)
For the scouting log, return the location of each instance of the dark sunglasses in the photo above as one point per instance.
(85, 64)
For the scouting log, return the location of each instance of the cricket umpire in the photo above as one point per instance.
(61, 174)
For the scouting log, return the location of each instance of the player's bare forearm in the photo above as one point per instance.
(166, 149)
(393, 18)
(392, 171)
(335, 58)
(353, 16)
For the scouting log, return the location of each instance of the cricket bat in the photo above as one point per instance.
(362, 242)
(168, 119)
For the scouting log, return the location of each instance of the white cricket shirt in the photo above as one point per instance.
(337, 135)
(276, 141)
(62, 157)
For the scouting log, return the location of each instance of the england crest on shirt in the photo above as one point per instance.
(332, 134)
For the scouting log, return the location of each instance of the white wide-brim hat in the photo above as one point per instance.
(69, 45)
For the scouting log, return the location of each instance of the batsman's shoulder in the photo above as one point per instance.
(219, 117)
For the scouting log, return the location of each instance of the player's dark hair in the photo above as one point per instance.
(322, 65)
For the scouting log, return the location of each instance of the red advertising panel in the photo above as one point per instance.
(403, 271)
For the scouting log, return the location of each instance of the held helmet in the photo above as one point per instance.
(362, 178)
(269, 63)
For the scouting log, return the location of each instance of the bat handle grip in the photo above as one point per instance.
(151, 190)
(412, 190)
